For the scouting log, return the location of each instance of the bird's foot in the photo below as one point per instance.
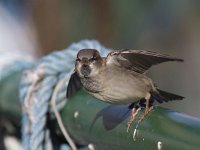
(133, 114)
(147, 110)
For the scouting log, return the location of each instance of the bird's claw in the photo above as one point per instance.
(133, 114)
(147, 110)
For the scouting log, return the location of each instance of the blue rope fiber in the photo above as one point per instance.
(37, 87)
(15, 66)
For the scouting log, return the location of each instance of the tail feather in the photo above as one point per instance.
(165, 96)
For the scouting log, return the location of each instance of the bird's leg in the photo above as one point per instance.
(136, 107)
(147, 109)
(134, 112)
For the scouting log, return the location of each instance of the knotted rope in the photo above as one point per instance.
(48, 81)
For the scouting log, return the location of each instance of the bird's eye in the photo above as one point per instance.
(77, 59)
(93, 58)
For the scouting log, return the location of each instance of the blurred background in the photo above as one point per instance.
(37, 27)
(30, 29)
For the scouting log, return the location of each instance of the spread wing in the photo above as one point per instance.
(74, 84)
(139, 60)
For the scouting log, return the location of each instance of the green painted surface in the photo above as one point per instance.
(9, 95)
(92, 121)
(104, 125)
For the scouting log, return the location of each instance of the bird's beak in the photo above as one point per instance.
(84, 61)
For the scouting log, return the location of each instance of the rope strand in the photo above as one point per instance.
(42, 85)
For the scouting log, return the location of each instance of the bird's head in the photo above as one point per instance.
(88, 63)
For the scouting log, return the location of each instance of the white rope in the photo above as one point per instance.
(57, 114)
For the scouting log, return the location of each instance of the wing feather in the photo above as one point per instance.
(74, 84)
(140, 60)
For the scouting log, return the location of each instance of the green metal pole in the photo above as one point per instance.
(10, 108)
(92, 121)
(9, 96)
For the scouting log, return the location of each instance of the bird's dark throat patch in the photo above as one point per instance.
(85, 71)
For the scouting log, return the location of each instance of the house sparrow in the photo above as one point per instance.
(120, 78)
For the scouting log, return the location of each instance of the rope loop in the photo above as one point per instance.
(47, 80)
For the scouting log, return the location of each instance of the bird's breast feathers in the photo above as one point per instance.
(117, 86)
